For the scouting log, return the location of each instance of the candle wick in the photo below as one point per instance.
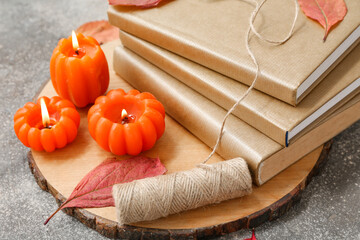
(125, 120)
(77, 51)
(47, 126)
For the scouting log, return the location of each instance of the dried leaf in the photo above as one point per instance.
(102, 31)
(326, 12)
(252, 236)
(138, 3)
(95, 189)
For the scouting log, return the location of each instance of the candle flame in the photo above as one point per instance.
(123, 114)
(44, 113)
(75, 42)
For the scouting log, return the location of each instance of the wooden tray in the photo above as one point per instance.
(60, 171)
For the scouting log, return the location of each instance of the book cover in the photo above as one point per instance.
(276, 119)
(212, 33)
(203, 118)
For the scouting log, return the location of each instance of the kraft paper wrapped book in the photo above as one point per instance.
(276, 119)
(212, 33)
(203, 118)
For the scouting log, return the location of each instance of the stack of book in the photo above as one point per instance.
(191, 55)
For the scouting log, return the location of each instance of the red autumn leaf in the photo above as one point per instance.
(95, 189)
(326, 12)
(102, 31)
(138, 3)
(252, 236)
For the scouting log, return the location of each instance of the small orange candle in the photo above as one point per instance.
(79, 70)
(126, 123)
(47, 125)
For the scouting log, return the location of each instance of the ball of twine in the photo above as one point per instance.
(152, 198)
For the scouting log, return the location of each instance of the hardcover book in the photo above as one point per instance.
(203, 118)
(276, 119)
(212, 33)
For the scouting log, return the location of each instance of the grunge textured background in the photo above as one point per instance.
(29, 31)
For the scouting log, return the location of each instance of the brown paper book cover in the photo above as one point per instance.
(203, 118)
(212, 33)
(276, 119)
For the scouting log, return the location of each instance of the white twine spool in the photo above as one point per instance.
(152, 198)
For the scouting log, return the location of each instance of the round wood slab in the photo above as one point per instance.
(60, 171)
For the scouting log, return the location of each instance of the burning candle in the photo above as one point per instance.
(79, 70)
(47, 125)
(126, 123)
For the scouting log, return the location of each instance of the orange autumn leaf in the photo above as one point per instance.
(137, 3)
(102, 31)
(326, 12)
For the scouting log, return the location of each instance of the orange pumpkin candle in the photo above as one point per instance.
(47, 125)
(79, 70)
(126, 123)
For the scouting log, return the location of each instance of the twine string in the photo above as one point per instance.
(257, 68)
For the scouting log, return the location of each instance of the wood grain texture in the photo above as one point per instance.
(60, 171)
(268, 212)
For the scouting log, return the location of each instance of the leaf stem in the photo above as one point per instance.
(326, 20)
(57, 210)
(47, 220)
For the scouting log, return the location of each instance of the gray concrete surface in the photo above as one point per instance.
(29, 30)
